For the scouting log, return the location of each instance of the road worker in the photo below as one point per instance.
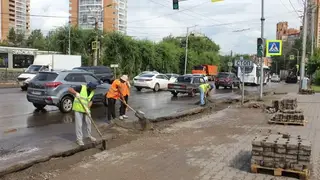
(113, 94)
(204, 92)
(84, 93)
(125, 91)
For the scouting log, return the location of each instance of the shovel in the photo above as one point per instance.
(104, 142)
(139, 114)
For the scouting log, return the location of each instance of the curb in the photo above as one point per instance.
(26, 164)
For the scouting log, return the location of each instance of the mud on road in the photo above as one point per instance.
(53, 167)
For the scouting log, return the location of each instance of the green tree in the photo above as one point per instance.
(12, 37)
(36, 40)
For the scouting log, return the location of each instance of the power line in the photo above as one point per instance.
(294, 8)
(160, 16)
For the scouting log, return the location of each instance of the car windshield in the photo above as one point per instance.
(147, 75)
(33, 68)
(223, 75)
(45, 76)
(184, 79)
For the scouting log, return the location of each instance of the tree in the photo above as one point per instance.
(36, 40)
(11, 37)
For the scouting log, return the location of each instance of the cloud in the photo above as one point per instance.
(233, 24)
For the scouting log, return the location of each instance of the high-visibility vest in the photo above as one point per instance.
(205, 87)
(114, 89)
(85, 99)
(125, 90)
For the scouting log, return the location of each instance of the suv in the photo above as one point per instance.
(51, 88)
(102, 72)
(227, 79)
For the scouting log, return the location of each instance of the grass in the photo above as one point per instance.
(316, 88)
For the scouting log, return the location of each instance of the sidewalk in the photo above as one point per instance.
(216, 147)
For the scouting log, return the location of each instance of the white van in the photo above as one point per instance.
(48, 63)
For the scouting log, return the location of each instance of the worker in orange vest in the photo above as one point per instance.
(113, 94)
(125, 91)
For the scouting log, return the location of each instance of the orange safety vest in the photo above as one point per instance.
(125, 90)
(114, 90)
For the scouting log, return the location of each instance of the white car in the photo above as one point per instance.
(152, 81)
(172, 77)
(275, 78)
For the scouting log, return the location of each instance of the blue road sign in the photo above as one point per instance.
(274, 48)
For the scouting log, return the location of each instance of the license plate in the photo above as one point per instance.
(177, 87)
(36, 92)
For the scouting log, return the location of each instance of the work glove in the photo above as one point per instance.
(77, 95)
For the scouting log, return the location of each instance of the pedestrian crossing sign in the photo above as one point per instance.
(274, 48)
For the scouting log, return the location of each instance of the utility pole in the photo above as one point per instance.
(312, 27)
(95, 62)
(261, 59)
(186, 55)
(230, 60)
(304, 43)
(69, 37)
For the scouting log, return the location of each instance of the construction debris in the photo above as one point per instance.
(306, 91)
(281, 151)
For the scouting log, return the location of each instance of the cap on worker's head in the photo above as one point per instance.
(124, 78)
(211, 86)
(92, 85)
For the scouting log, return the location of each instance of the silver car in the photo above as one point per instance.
(51, 88)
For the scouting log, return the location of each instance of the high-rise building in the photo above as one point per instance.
(283, 31)
(111, 15)
(14, 14)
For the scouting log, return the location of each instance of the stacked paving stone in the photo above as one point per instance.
(286, 111)
(307, 91)
(281, 151)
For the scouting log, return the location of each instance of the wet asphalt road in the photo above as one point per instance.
(26, 134)
(17, 113)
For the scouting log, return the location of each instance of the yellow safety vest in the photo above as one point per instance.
(85, 99)
(205, 87)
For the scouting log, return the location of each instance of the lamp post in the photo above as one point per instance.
(186, 55)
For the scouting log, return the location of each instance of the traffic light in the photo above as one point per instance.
(260, 47)
(175, 4)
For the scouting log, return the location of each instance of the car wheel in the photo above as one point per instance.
(217, 86)
(66, 104)
(174, 94)
(105, 100)
(39, 106)
(156, 88)
(24, 88)
(192, 93)
(138, 88)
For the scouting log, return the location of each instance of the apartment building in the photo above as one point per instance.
(111, 15)
(14, 14)
(284, 32)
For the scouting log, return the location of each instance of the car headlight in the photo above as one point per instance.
(28, 80)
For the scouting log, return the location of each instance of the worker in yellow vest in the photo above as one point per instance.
(84, 93)
(204, 92)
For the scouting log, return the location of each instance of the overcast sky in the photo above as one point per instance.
(233, 24)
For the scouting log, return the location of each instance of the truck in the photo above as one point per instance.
(51, 62)
(207, 70)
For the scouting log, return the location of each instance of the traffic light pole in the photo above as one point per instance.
(95, 61)
(186, 55)
(261, 59)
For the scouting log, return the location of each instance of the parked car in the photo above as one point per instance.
(226, 79)
(201, 75)
(51, 88)
(186, 84)
(151, 81)
(104, 73)
(172, 77)
(275, 78)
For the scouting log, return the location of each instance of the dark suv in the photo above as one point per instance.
(227, 79)
(104, 73)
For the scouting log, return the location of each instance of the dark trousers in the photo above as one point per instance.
(111, 108)
(123, 107)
